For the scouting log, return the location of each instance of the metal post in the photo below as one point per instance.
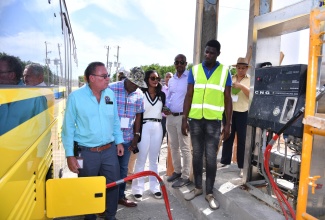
(117, 63)
(47, 63)
(315, 44)
(60, 62)
(107, 56)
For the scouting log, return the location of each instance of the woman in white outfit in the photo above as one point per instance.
(151, 136)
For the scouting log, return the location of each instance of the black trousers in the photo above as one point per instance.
(163, 124)
(239, 124)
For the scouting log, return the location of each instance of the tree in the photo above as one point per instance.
(81, 79)
(162, 70)
(232, 70)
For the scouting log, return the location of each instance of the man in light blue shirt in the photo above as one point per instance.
(177, 88)
(91, 122)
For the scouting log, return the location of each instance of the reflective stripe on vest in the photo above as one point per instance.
(208, 97)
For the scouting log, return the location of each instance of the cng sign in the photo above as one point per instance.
(262, 92)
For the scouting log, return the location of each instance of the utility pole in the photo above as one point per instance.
(107, 56)
(206, 26)
(47, 61)
(60, 62)
(117, 63)
(56, 63)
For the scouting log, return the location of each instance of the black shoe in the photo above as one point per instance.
(126, 202)
(173, 177)
(181, 182)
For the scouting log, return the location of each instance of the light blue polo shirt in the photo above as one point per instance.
(88, 122)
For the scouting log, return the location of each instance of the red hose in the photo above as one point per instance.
(147, 173)
(277, 191)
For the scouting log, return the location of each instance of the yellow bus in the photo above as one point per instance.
(34, 32)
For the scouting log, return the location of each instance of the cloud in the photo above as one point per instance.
(168, 27)
(3, 4)
(118, 8)
(133, 51)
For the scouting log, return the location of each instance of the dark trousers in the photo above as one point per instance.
(239, 124)
(124, 162)
(205, 136)
(104, 163)
(163, 124)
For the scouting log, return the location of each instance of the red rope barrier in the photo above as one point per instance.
(142, 174)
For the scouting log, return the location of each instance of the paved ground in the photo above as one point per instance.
(149, 208)
(235, 201)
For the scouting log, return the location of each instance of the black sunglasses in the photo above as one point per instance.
(179, 62)
(154, 78)
(104, 76)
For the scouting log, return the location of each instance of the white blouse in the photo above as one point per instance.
(153, 107)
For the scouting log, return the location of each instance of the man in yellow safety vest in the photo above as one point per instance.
(208, 96)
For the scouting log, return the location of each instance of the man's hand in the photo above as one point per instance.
(226, 131)
(166, 112)
(73, 164)
(134, 143)
(185, 126)
(120, 150)
(132, 147)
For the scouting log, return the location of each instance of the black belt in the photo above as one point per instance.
(97, 149)
(177, 113)
(151, 119)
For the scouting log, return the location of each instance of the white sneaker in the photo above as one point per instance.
(241, 173)
(158, 195)
(222, 166)
(138, 197)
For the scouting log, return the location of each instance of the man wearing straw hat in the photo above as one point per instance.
(240, 99)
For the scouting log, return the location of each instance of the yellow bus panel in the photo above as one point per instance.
(75, 196)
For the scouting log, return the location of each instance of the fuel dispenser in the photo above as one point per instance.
(279, 94)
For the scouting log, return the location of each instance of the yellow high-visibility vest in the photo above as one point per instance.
(208, 97)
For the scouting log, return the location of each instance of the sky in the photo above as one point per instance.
(151, 31)
(146, 31)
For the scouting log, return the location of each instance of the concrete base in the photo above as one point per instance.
(235, 202)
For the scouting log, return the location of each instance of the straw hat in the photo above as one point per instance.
(242, 61)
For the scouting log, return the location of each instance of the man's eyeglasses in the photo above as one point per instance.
(154, 78)
(179, 62)
(104, 76)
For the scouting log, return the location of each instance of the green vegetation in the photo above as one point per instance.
(232, 70)
(161, 70)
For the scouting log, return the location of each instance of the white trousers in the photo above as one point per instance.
(149, 147)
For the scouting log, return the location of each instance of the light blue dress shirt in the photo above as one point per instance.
(177, 88)
(88, 122)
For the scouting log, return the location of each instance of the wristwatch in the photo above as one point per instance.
(137, 133)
